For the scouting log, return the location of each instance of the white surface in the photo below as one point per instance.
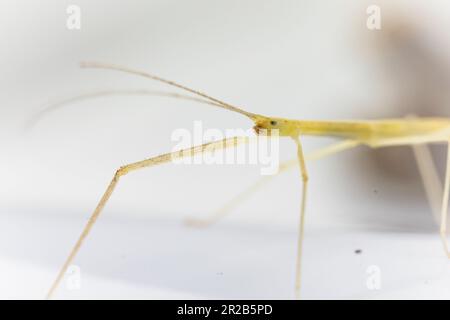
(299, 59)
(128, 258)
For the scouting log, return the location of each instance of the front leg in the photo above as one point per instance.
(161, 159)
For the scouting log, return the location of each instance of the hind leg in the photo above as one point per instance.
(430, 179)
(445, 203)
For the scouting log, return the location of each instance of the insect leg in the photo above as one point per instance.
(304, 177)
(164, 158)
(247, 193)
(229, 206)
(430, 178)
(445, 203)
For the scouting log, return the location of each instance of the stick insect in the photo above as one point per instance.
(409, 131)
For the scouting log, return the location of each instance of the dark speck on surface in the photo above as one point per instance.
(358, 251)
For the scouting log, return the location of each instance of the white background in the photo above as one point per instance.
(296, 59)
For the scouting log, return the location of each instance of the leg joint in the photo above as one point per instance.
(121, 171)
(305, 177)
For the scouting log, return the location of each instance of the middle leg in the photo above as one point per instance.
(304, 177)
(285, 166)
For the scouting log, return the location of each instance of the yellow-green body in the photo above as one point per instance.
(370, 132)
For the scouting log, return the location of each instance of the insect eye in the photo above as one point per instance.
(273, 123)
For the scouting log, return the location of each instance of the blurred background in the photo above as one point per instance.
(366, 210)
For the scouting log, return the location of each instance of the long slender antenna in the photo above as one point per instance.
(222, 104)
(96, 94)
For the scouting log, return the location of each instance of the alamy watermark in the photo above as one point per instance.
(373, 21)
(262, 149)
(73, 278)
(73, 21)
(373, 281)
